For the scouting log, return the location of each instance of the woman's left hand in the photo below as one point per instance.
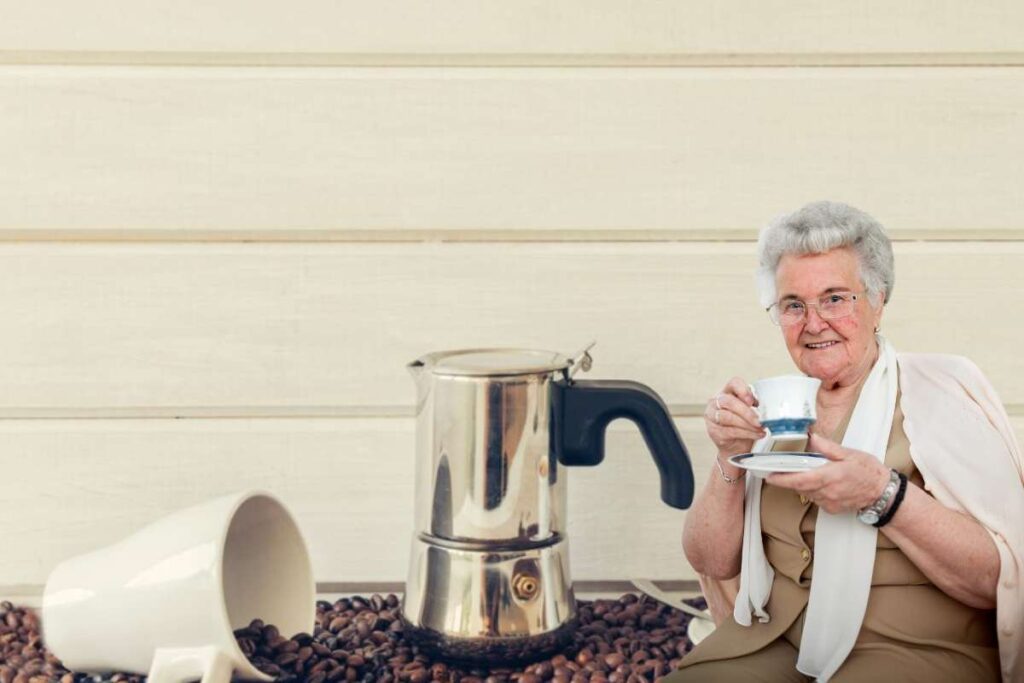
(851, 481)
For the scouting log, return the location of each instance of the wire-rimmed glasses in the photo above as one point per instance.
(793, 311)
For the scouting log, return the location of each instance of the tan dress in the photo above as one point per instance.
(912, 631)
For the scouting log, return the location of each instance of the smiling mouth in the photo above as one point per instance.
(821, 345)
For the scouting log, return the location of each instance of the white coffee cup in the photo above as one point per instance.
(787, 404)
(167, 599)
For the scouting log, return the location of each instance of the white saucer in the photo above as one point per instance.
(761, 464)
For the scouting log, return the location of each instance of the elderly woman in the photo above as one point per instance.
(800, 581)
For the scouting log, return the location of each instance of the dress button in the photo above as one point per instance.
(805, 554)
(803, 499)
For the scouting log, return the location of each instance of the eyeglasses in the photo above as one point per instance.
(792, 311)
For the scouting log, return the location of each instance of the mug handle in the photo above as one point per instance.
(207, 664)
(757, 399)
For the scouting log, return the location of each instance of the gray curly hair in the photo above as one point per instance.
(819, 227)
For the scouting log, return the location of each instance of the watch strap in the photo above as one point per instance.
(900, 492)
(873, 513)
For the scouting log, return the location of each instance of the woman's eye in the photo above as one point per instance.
(792, 307)
(834, 299)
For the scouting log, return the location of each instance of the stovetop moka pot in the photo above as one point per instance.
(489, 573)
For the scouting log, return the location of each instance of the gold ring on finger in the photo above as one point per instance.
(718, 402)
(716, 417)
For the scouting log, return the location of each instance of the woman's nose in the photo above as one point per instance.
(814, 323)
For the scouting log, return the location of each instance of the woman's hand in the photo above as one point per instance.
(731, 421)
(851, 481)
(713, 531)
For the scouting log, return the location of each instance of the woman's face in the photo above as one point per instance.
(838, 351)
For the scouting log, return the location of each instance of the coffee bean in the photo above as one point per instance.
(248, 632)
(614, 659)
(270, 668)
(282, 646)
(322, 666)
(286, 659)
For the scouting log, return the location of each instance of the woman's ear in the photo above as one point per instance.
(878, 309)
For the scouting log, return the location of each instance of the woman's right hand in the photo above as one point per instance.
(713, 530)
(731, 421)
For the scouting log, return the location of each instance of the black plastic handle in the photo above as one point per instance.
(581, 411)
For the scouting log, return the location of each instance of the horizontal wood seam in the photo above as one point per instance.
(510, 59)
(300, 236)
(679, 410)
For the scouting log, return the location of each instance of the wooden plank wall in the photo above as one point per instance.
(221, 239)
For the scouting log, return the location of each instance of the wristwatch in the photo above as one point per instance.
(872, 513)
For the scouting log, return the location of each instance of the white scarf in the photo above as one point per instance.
(844, 554)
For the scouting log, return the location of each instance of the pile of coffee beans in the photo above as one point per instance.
(629, 640)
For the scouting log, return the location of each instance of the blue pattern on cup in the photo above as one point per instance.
(784, 426)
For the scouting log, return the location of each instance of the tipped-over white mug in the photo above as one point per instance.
(167, 599)
(787, 404)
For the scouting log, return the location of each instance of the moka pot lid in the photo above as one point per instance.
(495, 362)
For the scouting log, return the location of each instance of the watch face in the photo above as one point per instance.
(868, 517)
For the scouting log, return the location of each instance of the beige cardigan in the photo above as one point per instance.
(963, 444)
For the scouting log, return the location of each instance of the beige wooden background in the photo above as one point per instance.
(226, 226)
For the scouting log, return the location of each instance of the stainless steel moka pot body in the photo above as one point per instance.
(489, 568)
